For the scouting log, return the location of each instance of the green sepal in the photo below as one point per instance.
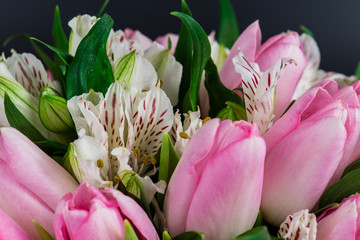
(228, 28)
(71, 164)
(357, 70)
(17, 120)
(201, 55)
(125, 68)
(135, 187)
(129, 233)
(232, 111)
(347, 186)
(166, 236)
(65, 57)
(168, 161)
(91, 68)
(160, 62)
(258, 233)
(218, 93)
(183, 54)
(259, 220)
(189, 236)
(44, 235)
(54, 113)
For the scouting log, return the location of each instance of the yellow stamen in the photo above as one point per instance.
(205, 120)
(153, 160)
(159, 83)
(116, 180)
(184, 135)
(100, 163)
(145, 158)
(136, 152)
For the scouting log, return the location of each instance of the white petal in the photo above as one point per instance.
(150, 188)
(123, 155)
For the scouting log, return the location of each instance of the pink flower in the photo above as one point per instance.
(10, 229)
(284, 45)
(308, 148)
(164, 41)
(32, 183)
(99, 214)
(342, 222)
(216, 187)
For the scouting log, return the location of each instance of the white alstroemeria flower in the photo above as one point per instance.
(181, 133)
(169, 71)
(301, 225)
(129, 124)
(259, 90)
(312, 74)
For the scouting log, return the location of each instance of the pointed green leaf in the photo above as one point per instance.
(229, 29)
(44, 235)
(129, 233)
(125, 68)
(183, 54)
(91, 68)
(17, 120)
(347, 186)
(135, 187)
(190, 236)
(166, 236)
(60, 40)
(258, 233)
(307, 31)
(52, 148)
(351, 167)
(201, 55)
(218, 93)
(259, 220)
(168, 161)
(357, 71)
(65, 57)
(233, 111)
(103, 6)
(54, 113)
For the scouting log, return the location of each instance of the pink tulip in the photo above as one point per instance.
(143, 40)
(32, 183)
(306, 149)
(338, 223)
(10, 229)
(284, 45)
(164, 40)
(99, 214)
(216, 187)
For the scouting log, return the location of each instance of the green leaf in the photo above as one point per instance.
(347, 186)
(103, 6)
(218, 93)
(44, 235)
(258, 233)
(233, 111)
(201, 55)
(259, 220)
(17, 120)
(166, 236)
(135, 187)
(169, 43)
(351, 167)
(65, 57)
(183, 54)
(91, 68)
(357, 71)
(190, 236)
(307, 31)
(54, 113)
(229, 29)
(129, 233)
(125, 68)
(52, 148)
(168, 161)
(60, 40)
(319, 212)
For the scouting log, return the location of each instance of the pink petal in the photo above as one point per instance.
(10, 229)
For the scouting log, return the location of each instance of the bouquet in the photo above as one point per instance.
(190, 136)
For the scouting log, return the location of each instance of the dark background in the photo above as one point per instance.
(335, 23)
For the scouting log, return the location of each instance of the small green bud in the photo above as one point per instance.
(160, 62)
(53, 112)
(125, 68)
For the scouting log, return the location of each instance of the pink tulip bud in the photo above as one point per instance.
(284, 45)
(32, 183)
(340, 222)
(100, 214)
(307, 149)
(216, 187)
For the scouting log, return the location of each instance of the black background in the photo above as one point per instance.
(335, 23)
